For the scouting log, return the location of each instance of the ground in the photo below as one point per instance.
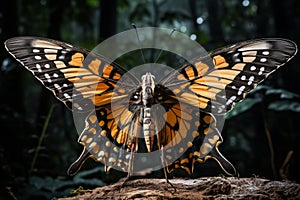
(204, 188)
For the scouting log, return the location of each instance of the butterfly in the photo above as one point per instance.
(176, 116)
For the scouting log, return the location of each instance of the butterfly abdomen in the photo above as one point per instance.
(148, 128)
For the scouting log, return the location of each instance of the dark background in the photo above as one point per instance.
(261, 135)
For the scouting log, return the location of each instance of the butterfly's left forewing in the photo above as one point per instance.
(76, 76)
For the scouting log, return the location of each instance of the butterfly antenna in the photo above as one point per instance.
(174, 29)
(137, 34)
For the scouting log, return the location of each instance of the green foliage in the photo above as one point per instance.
(43, 134)
(243, 106)
(275, 99)
(48, 187)
(285, 105)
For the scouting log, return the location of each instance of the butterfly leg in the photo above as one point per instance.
(165, 172)
(130, 166)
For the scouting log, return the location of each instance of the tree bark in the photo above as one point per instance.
(108, 18)
(215, 28)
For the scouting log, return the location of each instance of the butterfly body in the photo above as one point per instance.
(176, 116)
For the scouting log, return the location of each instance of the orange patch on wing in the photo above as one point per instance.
(59, 64)
(93, 130)
(239, 66)
(180, 77)
(94, 66)
(202, 68)
(117, 76)
(171, 118)
(214, 81)
(220, 62)
(101, 87)
(107, 71)
(185, 160)
(121, 137)
(227, 74)
(103, 99)
(203, 102)
(190, 72)
(203, 90)
(77, 59)
(207, 119)
(93, 118)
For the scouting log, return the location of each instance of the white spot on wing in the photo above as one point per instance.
(35, 50)
(230, 100)
(47, 65)
(47, 76)
(241, 89)
(61, 57)
(252, 68)
(67, 95)
(263, 60)
(39, 68)
(56, 86)
(251, 79)
(261, 70)
(265, 53)
(38, 57)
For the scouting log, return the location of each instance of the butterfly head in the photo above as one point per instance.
(148, 86)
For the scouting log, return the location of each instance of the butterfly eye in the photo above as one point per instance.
(136, 96)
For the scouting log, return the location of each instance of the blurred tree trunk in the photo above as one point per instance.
(193, 10)
(11, 102)
(8, 24)
(262, 18)
(108, 18)
(214, 21)
(11, 77)
(56, 10)
(282, 12)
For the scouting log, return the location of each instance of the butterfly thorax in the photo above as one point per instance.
(148, 87)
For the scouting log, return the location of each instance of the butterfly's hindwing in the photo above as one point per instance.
(203, 146)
